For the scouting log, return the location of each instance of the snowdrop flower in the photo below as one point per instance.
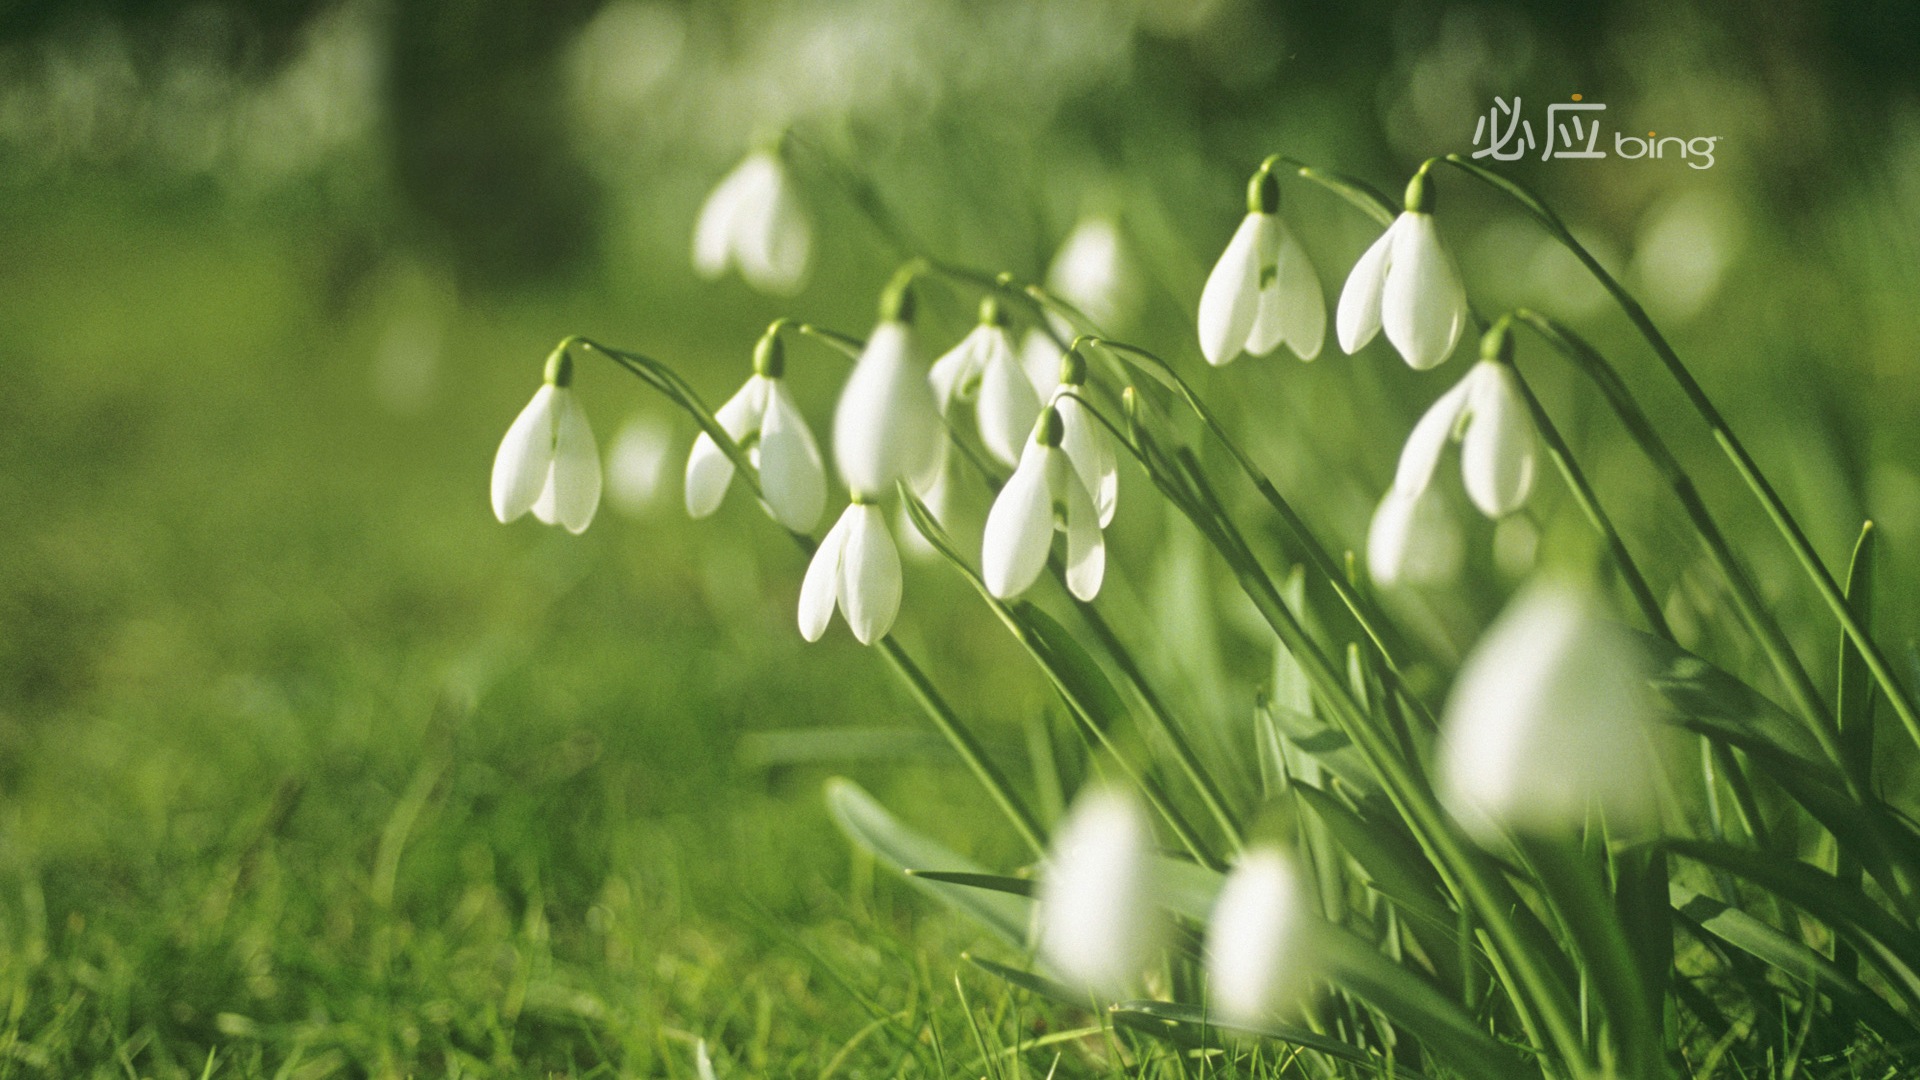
(637, 463)
(1091, 271)
(1085, 439)
(1550, 718)
(1408, 284)
(1487, 414)
(1040, 358)
(1413, 540)
(754, 220)
(856, 568)
(1259, 938)
(548, 463)
(1097, 916)
(763, 419)
(984, 369)
(887, 425)
(1264, 290)
(1044, 494)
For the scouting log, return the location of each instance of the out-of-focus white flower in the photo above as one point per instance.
(1413, 540)
(1487, 414)
(1044, 494)
(637, 463)
(887, 424)
(754, 220)
(1040, 358)
(1409, 284)
(1092, 272)
(763, 419)
(1264, 290)
(856, 568)
(1259, 940)
(1550, 719)
(940, 497)
(548, 462)
(1097, 918)
(984, 369)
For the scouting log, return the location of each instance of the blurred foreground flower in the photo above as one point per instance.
(984, 369)
(1487, 414)
(1549, 720)
(764, 420)
(857, 568)
(1098, 917)
(1264, 290)
(1413, 540)
(548, 462)
(754, 220)
(1091, 271)
(887, 424)
(1258, 939)
(1408, 283)
(1044, 494)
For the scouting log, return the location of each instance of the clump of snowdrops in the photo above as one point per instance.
(1563, 867)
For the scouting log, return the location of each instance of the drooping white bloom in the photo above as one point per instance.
(1091, 271)
(548, 462)
(1259, 939)
(754, 220)
(984, 369)
(637, 463)
(1550, 718)
(1040, 358)
(1044, 494)
(1487, 414)
(764, 420)
(1097, 918)
(887, 425)
(1413, 540)
(857, 569)
(1264, 290)
(1408, 284)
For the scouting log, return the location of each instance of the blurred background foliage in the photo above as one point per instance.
(305, 761)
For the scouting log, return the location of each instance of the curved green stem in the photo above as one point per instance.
(1743, 462)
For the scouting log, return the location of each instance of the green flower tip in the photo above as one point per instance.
(1049, 429)
(1263, 191)
(991, 313)
(897, 301)
(560, 366)
(1420, 193)
(770, 354)
(1073, 368)
(1496, 344)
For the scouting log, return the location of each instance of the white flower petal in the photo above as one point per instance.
(572, 493)
(1007, 406)
(525, 457)
(886, 426)
(1019, 531)
(1040, 357)
(792, 477)
(713, 232)
(956, 375)
(1086, 547)
(773, 240)
(1413, 540)
(1423, 306)
(1097, 914)
(1228, 303)
(1358, 317)
(709, 469)
(1298, 307)
(1429, 438)
(820, 589)
(1090, 271)
(870, 575)
(1549, 718)
(1497, 452)
(1090, 448)
(1258, 939)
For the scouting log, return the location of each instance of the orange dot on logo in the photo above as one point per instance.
(1576, 97)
